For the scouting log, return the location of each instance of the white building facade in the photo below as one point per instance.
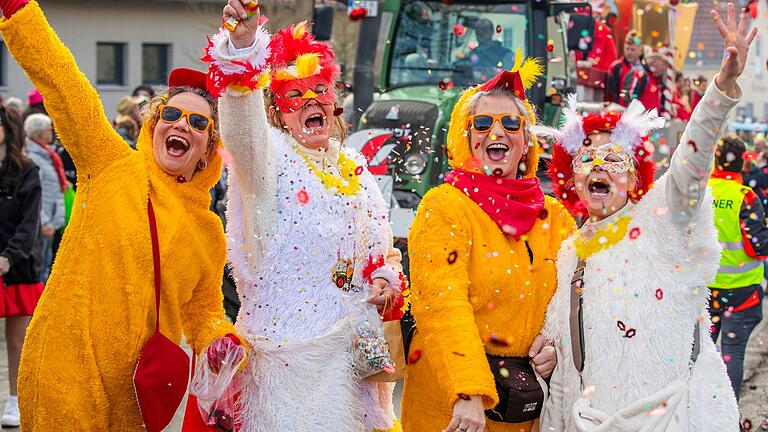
(121, 44)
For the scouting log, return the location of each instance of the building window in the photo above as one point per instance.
(155, 63)
(745, 112)
(110, 63)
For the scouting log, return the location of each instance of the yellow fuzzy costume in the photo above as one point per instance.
(98, 309)
(473, 289)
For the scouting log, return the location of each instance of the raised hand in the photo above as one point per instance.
(736, 42)
(244, 34)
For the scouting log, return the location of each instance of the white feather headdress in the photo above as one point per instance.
(634, 125)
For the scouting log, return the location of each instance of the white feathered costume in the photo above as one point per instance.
(643, 296)
(287, 234)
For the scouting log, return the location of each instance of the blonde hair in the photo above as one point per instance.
(340, 127)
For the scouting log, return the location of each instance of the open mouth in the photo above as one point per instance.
(497, 151)
(176, 146)
(599, 189)
(314, 122)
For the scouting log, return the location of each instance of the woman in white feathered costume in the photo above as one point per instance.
(306, 226)
(646, 257)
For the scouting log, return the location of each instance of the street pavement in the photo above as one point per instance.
(753, 404)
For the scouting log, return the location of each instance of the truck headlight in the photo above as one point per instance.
(415, 164)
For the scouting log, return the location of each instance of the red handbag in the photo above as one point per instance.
(162, 372)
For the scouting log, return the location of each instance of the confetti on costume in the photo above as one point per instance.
(471, 265)
(297, 260)
(623, 276)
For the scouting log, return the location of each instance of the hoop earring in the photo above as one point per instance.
(204, 163)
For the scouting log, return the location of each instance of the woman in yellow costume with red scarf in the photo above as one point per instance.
(98, 309)
(483, 264)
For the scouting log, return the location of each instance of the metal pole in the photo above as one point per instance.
(363, 81)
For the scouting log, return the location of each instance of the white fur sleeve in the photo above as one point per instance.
(690, 166)
(250, 154)
(553, 415)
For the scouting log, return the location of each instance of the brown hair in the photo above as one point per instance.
(340, 127)
(151, 115)
(13, 126)
(730, 153)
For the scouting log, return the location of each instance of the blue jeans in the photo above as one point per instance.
(736, 327)
(47, 259)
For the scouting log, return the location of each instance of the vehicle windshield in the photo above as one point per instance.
(460, 43)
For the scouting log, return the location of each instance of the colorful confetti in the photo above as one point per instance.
(452, 257)
(414, 357)
(302, 196)
(634, 233)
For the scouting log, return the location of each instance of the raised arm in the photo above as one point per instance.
(70, 100)
(238, 65)
(685, 183)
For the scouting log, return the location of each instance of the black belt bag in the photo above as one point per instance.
(521, 397)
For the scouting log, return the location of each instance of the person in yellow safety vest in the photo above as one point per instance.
(735, 303)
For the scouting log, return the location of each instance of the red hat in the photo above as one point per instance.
(506, 79)
(34, 97)
(185, 77)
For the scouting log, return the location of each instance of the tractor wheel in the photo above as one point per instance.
(340, 281)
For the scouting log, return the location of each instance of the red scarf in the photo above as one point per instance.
(514, 204)
(58, 165)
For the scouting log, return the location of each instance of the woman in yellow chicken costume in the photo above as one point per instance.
(97, 310)
(483, 261)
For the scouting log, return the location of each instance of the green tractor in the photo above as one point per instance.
(427, 52)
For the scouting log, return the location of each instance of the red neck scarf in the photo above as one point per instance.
(514, 204)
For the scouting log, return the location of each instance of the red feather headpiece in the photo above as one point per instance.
(629, 129)
(296, 54)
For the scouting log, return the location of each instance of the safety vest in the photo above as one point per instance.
(737, 269)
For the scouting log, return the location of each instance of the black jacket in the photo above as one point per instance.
(20, 241)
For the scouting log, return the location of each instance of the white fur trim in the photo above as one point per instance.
(571, 136)
(225, 60)
(302, 385)
(573, 129)
(620, 285)
(635, 124)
